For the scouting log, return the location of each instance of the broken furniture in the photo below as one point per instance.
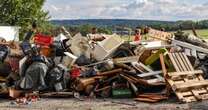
(146, 49)
(190, 49)
(79, 45)
(155, 56)
(152, 77)
(187, 83)
(69, 59)
(105, 48)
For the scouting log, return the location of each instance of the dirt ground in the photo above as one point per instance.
(101, 104)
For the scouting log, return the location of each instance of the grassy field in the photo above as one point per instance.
(202, 33)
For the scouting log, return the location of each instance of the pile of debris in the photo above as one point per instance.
(105, 66)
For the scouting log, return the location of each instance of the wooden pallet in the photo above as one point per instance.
(147, 73)
(187, 83)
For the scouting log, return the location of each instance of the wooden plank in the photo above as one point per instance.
(110, 73)
(181, 78)
(170, 82)
(148, 69)
(189, 99)
(204, 96)
(149, 74)
(185, 61)
(156, 80)
(189, 93)
(2, 79)
(189, 46)
(189, 85)
(126, 59)
(188, 62)
(145, 70)
(174, 63)
(183, 73)
(146, 100)
(138, 67)
(152, 96)
(165, 36)
(137, 80)
(162, 62)
(128, 79)
(124, 66)
(180, 62)
(177, 62)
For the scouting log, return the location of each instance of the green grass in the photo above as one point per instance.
(203, 33)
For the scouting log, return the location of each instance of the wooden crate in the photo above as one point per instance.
(187, 83)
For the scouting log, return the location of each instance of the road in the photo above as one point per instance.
(101, 104)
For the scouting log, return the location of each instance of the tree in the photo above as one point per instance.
(22, 13)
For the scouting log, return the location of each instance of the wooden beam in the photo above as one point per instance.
(190, 85)
(149, 74)
(189, 46)
(126, 59)
(183, 73)
(109, 73)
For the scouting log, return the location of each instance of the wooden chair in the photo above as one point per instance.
(187, 83)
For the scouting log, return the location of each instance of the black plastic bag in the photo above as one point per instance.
(5, 69)
(4, 51)
(58, 78)
(83, 60)
(34, 78)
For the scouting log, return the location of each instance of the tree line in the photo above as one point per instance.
(24, 12)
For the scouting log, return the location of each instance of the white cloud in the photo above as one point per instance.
(55, 8)
(136, 9)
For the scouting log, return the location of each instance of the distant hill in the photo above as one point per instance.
(111, 22)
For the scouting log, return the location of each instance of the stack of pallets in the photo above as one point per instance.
(187, 83)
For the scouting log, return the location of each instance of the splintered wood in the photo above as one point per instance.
(150, 97)
(152, 77)
(187, 83)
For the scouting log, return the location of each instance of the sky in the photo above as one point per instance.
(168, 10)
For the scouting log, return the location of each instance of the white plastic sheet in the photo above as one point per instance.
(9, 32)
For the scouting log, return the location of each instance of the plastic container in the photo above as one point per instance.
(43, 39)
(46, 51)
(75, 72)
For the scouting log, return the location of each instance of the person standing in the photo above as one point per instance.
(137, 36)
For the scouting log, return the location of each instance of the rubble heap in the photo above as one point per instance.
(150, 70)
